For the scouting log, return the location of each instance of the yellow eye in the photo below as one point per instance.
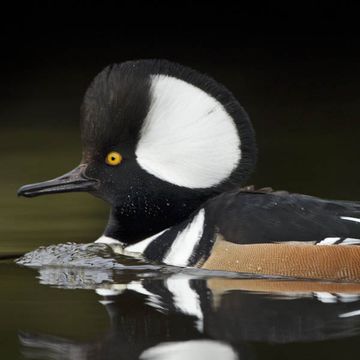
(113, 158)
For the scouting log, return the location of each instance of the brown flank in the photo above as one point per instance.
(327, 262)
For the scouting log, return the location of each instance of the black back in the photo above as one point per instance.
(256, 217)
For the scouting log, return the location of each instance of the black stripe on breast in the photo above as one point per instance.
(205, 245)
(159, 248)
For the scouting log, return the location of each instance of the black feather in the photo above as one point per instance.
(252, 217)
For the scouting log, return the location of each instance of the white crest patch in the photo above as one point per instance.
(188, 138)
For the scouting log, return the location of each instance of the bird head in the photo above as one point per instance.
(157, 135)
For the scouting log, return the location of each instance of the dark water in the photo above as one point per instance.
(124, 309)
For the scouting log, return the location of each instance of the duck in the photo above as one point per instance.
(171, 150)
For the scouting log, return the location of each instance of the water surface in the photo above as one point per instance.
(129, 310)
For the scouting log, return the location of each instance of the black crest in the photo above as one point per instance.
(117, 102)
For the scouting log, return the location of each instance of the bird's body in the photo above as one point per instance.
(275, 233)
(169, 148)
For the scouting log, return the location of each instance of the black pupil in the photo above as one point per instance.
(113, 158)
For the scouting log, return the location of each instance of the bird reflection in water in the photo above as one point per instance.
(181, 315)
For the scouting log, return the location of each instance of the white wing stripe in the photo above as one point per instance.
(350, 241)
(337, 241)
(328, 241)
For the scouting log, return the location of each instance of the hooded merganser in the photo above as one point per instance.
(168, 148)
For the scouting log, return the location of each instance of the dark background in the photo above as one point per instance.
(296, 70)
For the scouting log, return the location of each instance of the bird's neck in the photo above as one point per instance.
(132, 224)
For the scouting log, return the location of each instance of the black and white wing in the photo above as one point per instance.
(259, 217)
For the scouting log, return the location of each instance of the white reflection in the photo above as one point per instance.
(185, 298)
(190, 350)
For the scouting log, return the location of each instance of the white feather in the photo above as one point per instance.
(328, 241)
(107, 240)
(350, 241)
(183, 246)
(188, 138)
(141, 246)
